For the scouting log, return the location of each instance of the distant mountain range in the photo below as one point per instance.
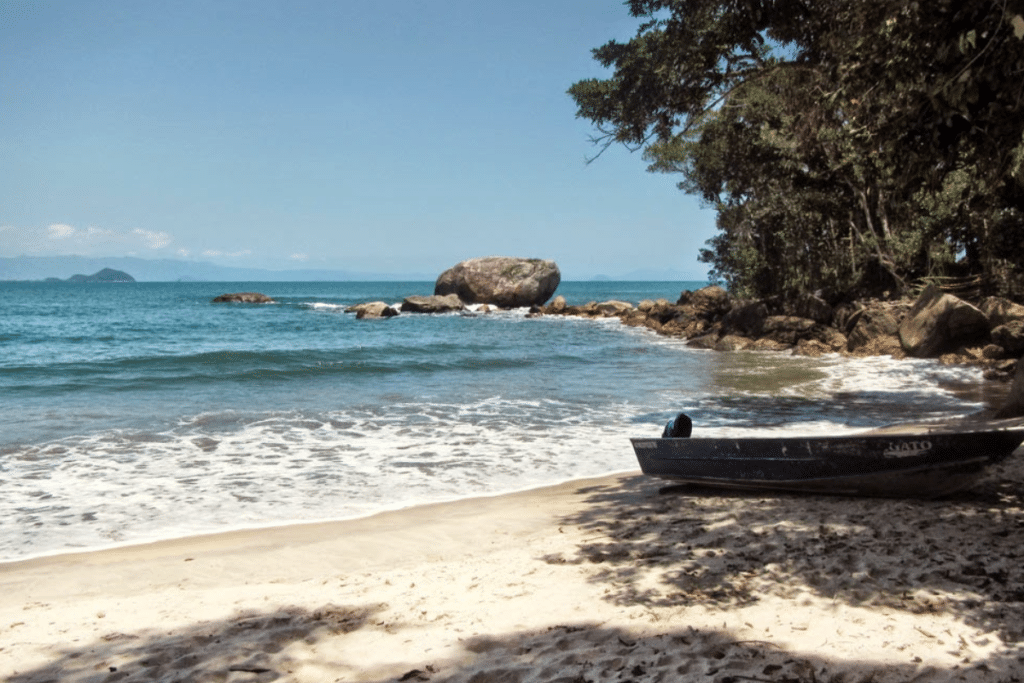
(170, 270)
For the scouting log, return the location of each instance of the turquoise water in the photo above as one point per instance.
(139, 411)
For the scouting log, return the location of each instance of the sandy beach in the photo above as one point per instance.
(610, 579)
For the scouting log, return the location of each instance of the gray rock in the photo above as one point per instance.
(613, 307)
(810, 306)
(711, 301)
(501, 281)
(746, 319)
(372, 310)
(732, 342)
(432, 304)
(1010, 336)
(705, 341)
(787, 329)
(866, 326)
(939, 322)
(1001, 311)
(557, 305)
(243, 298)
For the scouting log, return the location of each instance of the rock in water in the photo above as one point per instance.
(501, 281)
(432, 304)
(243, 298)
(372, 310)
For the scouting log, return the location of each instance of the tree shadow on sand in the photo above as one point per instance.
(591, 654)
(680, 546)
(248, 646)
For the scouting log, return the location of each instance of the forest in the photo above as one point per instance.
(850, 148)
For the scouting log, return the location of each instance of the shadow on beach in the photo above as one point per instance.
(667, 552)
(249, 646)
(253, 648)
(960, 554)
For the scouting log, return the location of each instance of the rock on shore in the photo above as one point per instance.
(937, 325)
(500, 281)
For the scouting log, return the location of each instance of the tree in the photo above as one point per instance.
(849, 146)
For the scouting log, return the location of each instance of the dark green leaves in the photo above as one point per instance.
(836, 138)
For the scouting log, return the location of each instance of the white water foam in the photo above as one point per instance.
(220, 472)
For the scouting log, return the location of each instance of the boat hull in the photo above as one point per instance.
(925, 464)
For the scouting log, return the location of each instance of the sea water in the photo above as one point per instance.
(132, 412)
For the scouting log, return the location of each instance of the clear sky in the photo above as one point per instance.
(399, 136)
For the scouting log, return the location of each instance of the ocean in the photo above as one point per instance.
(133, 412)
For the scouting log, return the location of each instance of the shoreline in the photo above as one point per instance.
(271, 527)
(594, 579)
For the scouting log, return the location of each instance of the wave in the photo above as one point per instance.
(243, 366)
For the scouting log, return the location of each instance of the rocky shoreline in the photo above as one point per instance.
(988, 333)
(936, 325)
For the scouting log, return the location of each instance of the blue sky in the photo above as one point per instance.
(378, 137)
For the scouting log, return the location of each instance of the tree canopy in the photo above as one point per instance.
(849, 147)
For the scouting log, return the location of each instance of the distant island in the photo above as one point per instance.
(105, 275)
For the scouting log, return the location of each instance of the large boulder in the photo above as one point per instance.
(243, 298)
(787, 329)
(810, 306)
(1001, 311)
(867, 326)
(940, 322)
(1010, 337)
(432, 304)
(746, 319)
(500, 280)
(711, 301)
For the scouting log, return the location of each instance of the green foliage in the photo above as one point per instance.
(848, 146)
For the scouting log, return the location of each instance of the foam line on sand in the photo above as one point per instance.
(606, 579)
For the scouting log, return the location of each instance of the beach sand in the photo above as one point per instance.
(609, 579)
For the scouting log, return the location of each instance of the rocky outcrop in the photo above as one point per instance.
(1009, 338)
(811, 307)
(712, 301)
(372, 310)
(938, 325)
(711, 319)
(746, 319)
(1001, 311)
(941, 322)
(432, 304)
(243, 298)
(872, 331)
(501, 281)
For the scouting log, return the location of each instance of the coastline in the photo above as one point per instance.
(595, 579)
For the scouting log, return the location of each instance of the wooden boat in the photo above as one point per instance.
(913, 460)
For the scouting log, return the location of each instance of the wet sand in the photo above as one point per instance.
(610, 579)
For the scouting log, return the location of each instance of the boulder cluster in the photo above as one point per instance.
(938, 325)
(500, 281)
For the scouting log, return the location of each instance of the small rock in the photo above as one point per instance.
(243, 298)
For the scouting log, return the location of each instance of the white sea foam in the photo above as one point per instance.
(217, 472)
